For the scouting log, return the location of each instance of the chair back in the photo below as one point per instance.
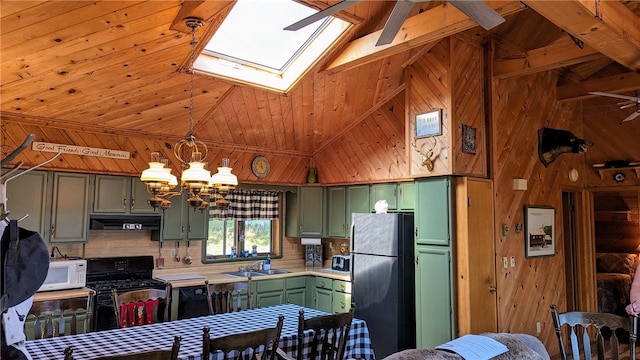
(263, 344)
(52, 318)
(140, 307)
(330, 334)
(166, 354)
(593, 335)
(228, 297)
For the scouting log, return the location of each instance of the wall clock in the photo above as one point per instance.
(260, 166)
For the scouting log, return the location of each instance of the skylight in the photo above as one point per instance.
(251, 46)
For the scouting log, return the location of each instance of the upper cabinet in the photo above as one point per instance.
(182, 222)
(305, 212)
(342, 201)
(406, 196)
(70, 213)
(28, 200)
(388, 192)
(120, 195)
(433, 211)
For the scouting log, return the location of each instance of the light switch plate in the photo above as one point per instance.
(505, 262)
(513, 262)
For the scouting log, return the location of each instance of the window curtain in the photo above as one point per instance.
(248, 205)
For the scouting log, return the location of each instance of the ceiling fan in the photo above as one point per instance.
(631, 101)
(477, 10)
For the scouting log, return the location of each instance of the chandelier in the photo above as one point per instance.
(191, 153)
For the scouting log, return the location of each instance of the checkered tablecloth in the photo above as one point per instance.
(160, 336)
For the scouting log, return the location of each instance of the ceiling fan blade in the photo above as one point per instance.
(632, 98)
(322, 14)
(480, 12)
(627, 104)
(394, 22)
(633, 115)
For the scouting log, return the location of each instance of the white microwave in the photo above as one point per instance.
(65, 274)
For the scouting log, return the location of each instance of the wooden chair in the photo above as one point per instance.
(61, 317)
(330, 334)
(228, 297)
(141, 355)
(140, 307)
(265, 340)
(589, 330)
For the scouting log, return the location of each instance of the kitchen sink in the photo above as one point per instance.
(272, 272)
(244, 273)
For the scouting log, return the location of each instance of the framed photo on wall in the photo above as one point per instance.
(429, 124)
(539, 231)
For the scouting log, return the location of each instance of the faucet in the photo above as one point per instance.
(259, 264)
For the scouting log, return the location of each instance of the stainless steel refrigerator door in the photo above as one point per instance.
(376, 295)
(375, 234)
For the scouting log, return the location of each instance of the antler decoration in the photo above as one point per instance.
(426, 157)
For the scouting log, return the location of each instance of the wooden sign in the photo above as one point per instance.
(79, 150)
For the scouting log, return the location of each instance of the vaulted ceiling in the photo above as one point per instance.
(119, 66)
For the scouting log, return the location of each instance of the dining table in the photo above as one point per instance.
(160, 335)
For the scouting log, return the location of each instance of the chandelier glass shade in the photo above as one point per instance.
(191, 153)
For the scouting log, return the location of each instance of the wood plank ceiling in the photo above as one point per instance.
(118, 67)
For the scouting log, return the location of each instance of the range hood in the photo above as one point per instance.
(124, 222)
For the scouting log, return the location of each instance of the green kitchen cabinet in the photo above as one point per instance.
(323, 294)
(406, 196)
(296, 290)
(341, 203)
(120, 195)
(182, 222)
(336, 211)
(29, 198)
(434, 296)
(433, 218)
(70, 208)
(269, 292)
(387, 192)
(341, 302)
(305, 212)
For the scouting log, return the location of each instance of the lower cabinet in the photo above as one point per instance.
(269, 292)
(296, 290)
(341, 296)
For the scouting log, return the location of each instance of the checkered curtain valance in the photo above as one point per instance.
(249, 205)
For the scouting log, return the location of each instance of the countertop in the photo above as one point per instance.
(194, 279)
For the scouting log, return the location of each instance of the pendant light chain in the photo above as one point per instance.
(193, 25)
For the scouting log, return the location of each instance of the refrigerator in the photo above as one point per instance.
(383, 279)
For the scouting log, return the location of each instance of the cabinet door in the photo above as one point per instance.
(336, 212)
(297, 296)
(433, 211)
(357, 202)
(110, 194)
(434, 297)
(406, 196)
(139, 197)
(323, 300)
(28, 195)
(197, 223)
(341, 302)
(311, 211)
(384, 192)
(70, 213)
(172, 220)
(270, 298)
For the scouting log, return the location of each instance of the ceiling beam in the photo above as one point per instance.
(429, 26)
(560, 53)
(605, 25)
(614, 84)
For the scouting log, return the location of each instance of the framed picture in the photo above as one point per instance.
(539, 231)
(429, 124)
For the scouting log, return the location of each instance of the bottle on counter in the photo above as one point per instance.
(267, 263)
(254, 250)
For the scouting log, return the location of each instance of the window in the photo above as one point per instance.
(252, 219)
(263, 53)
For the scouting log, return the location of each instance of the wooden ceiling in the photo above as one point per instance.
(118, 66)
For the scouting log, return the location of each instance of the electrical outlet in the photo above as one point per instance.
(505, 229)
(505, 262)
(173, 253)
(513, 262)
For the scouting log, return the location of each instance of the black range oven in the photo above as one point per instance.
(123, 273)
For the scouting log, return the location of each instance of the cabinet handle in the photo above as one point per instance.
(492, 289)
(300, 228)
(343, 304)
(53, 231)
(133, 202)
(417, 259)
(343, 287)
(182, 228)
(124, 203)
(416, 231)
(322, 283)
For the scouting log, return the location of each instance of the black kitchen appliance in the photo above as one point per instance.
(383, 279)
(123, 273)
